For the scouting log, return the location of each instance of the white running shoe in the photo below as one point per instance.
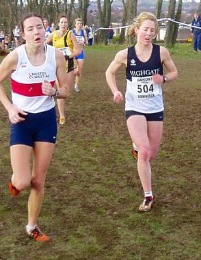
(147, 204)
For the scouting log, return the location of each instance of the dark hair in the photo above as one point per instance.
(29, 15)
(62, 16)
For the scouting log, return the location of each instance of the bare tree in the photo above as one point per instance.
(177, 18)
(169, 38)
(129, 12)
(83, 8)
(58, 7)
(104, 11)
(199, 7)
(6, 19)
(124, 22)
(159, 8)
(133, 10)
(14, 9)
(70, 10)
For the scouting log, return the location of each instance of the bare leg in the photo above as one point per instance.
(144, 170)
(61, 107)
(137, 126)
(42, 157)
(80, 64)
(147, 137)
(61, 102)
(20, 161)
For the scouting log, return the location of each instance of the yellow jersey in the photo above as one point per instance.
(58, 41)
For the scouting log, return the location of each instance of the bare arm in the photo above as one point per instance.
(7, 66)
(119, 60)
(169, 65)
(85, 38)
(64, 87)
(77, 49)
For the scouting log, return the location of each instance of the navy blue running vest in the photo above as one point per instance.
(137, 68)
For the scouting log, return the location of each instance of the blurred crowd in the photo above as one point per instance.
(14, 39)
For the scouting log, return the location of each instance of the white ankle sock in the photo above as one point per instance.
(148, 194)
(30, 227)
(135, 147)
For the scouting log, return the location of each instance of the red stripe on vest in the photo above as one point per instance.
(28, 90)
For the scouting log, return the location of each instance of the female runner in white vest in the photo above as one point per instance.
(33, 69)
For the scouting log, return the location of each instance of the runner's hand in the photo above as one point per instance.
(118, 97)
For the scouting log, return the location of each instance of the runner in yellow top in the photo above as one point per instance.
(65, 40)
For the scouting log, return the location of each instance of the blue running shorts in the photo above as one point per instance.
(81, 56)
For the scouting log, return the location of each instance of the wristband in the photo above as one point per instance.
(56, 93)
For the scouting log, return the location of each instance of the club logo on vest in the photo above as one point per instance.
(38, 75)
(133, 62)
(23, 64)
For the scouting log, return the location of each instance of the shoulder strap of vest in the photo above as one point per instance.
(67, 35)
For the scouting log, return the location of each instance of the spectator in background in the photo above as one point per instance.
(86, 27)
(196, 32)
(90, 36)
(6, 42)
(16, 33)
(53, 28)
(48, 29)
(110, 34)
(89, 33)
(2, 40)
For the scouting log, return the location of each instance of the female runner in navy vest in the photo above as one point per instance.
(143, 99)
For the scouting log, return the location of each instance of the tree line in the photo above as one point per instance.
(11, 12)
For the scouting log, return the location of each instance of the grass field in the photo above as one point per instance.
(92, 188)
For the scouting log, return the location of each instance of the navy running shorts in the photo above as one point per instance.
(39, 127)
(149, 117)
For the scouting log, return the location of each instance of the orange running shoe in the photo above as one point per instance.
(62, 121)
(13, 191)
(135, 154)
(37, 235)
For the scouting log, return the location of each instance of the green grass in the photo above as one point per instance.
(93, 190)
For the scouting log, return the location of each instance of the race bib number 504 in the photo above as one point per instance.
(144, 87)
